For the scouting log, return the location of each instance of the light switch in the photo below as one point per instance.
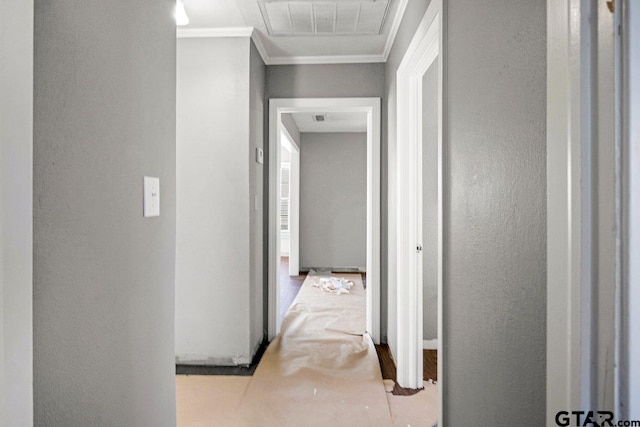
(151, 196)
(259, 155)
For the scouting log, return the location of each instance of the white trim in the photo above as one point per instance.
(194, 33)
(371, 106)
(579, 224)
(334, 59)
(16, 212)
(300, 60)
(421, 53)
(563, 224)
(629, 381)
(395, 26)
(257, 42)
(183, 33)
(430, 344)
(294, 205)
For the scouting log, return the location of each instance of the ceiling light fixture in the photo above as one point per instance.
(181, 14)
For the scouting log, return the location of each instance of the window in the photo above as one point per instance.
(285, 171)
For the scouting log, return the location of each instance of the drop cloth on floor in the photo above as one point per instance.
(322, 370)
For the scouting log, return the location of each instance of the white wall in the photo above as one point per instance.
(103, 292)
(333, 200)
(218, 248)
(430, 203)
(16, 196)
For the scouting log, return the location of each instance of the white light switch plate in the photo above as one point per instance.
(259, 155)
(151, 196)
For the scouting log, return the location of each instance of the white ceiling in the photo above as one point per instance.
(303, 31)
(335, 122)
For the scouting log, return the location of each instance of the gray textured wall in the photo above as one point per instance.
(325, 81)
(16, 197)
(213, 253)
(495, 225)
(257, 75)
(430, 203)
(333, 200)
(104, 116)
(495, 211)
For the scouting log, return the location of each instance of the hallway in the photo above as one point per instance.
(322, 369)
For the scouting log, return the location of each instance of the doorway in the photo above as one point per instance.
(278, 108)
(419, 227)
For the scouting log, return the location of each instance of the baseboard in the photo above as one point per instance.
(430, 344)
(192, 367)
(335, 269)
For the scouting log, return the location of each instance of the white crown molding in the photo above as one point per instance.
(299, 60)
(257, 41)
(395, 26)
(335, 59)
(189, 33)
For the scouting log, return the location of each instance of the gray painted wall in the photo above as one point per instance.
(325, 81)
(333, 200)
(16, 197)
(103, 296)
(257, 76)
(495, 225)
(495, 210)
(430, 203)
(219, 235)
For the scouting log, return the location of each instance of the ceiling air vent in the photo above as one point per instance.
(322, 17)
(319, 117)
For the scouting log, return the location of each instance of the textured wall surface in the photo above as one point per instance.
(495, 213)
(16, 198)
(104, 116)
(213, 269)
(333, 200)
(430, 203)
(325, 81)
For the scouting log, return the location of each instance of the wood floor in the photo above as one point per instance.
(289, 286)
(388, 366)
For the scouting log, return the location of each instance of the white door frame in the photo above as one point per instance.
(294, 206)
(16, 212)
(628, 402)
(425, 48)
(575, 69)
(370, 106)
